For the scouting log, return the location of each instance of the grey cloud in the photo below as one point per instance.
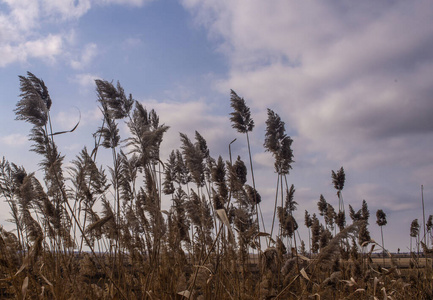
(352, 80)
(411, 117)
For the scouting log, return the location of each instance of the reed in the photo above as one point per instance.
(94, 231)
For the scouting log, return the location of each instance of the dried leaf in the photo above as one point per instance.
(46, 280)
(25, 264)
(25, 286)
(41, 295)
(262, 234)
(71, 130)
(204, 267)
(28, 256)
(375, 285)
(360, 290)
(185, 293)
(392, 270)
(151, 294)
(304, 274)
(348, 282)
(303, 257)
(223, 217)
(209, 279)
(295, 253)
(385, 297)
(365, 243)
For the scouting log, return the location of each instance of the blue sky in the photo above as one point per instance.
(352, 81)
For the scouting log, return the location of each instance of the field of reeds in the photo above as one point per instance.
(100, 232)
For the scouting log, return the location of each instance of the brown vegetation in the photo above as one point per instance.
(84, 234)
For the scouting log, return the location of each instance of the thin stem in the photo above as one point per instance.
(383, 246)
(293, 229)
(254, 186)
(423, 211)
(275, 207)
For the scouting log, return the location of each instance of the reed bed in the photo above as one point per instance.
(99, 232)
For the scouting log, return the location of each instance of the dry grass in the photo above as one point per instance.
(200, 247)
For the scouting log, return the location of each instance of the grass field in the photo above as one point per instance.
(99, 232)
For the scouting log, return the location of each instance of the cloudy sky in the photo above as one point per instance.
(352, 80)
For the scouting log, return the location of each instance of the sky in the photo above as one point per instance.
(352, 80)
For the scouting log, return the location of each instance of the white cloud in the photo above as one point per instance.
(23, 14)
(14, 140)
(74, 148)
(66, 9)
(125, 2)
(89, 52)
(66, 120)
(132, 42)
(85, 80)
(8, 55)
(94, 114)
(20, 40)
(24, 22)
(335, 77)
(264, 159)
(47, 48)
